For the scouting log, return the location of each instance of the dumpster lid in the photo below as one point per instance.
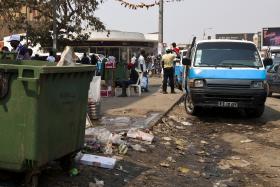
(44, 67)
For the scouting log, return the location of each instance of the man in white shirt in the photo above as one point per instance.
(143, 68)
(141, 61)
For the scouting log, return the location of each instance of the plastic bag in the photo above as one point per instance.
(144, 82)
(94, 90)
(68, 57)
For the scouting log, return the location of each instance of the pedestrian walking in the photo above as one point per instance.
(168, 71)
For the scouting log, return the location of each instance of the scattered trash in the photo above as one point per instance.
(275, 166)
(125, 180)
(217, 146)
(235, 158)
(170, 123)
(201, 160)
(181, 153)
(123, 148)
(200, 152)
(74, 172)
(180, 128)
(118, 157)
(204, 142)
(181, 144)
(227, 164)
(185, 123)
(100, 134)
(99, 183)
(138, 147)
(137, 134)
(164, 164)
(181, 148)
(174, 118)
(167, 138)
(88, 122)
(167, 143)
(121, 169)
(224, 183)
(272, 176)
(98, 161)
(164, 120)
(116, 139)
(246, 141)
(108, 150)
(91, 184)
(102, 140)
(93, 144)
(170, 159)
(183, 170)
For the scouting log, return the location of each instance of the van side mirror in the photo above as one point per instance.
(186, 61)
(267, 62)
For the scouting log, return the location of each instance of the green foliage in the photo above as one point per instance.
(74, 19)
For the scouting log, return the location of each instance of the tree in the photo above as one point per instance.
(74, 18)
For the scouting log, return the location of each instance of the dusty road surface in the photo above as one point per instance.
(217, 149)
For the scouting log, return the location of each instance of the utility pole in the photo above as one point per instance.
(160, 28)
(26, 14)
(54, 26)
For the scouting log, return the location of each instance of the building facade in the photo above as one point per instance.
(119, 44)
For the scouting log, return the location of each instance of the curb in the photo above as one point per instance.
(157, 120)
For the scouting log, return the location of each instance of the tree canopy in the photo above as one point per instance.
(74, 17)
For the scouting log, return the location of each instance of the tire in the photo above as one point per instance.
(189, 107)
(255, 112)
(269, 93)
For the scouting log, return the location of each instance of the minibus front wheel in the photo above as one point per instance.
(189, 106)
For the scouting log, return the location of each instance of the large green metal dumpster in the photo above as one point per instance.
(42, 112)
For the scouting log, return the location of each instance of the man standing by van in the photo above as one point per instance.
(168, 71)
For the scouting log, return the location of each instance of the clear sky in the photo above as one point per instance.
(192, 17)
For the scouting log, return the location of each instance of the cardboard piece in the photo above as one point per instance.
(98, 161)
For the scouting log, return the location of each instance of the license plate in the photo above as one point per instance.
(227, 104)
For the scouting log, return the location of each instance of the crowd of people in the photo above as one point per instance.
(141, 66)
(144, 65)
(23, 52)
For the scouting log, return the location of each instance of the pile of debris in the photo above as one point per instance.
(101, 141)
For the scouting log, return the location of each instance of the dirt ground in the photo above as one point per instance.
(219, 148)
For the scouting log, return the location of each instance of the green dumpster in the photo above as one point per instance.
(42, 112)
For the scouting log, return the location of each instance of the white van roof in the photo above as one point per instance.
(224, 40)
